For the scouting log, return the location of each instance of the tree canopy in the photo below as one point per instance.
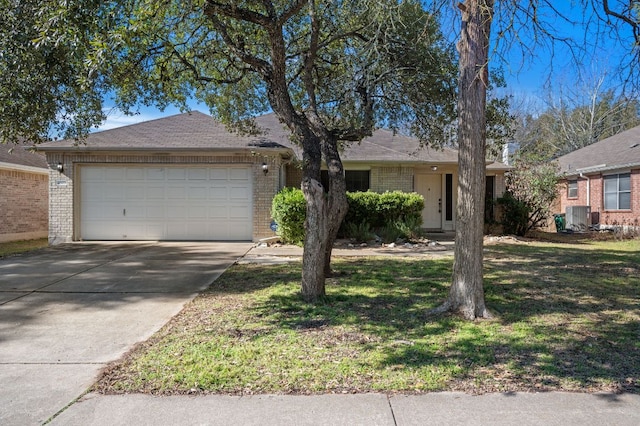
(42, 91)
(358, 63)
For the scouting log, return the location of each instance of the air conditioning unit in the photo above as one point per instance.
(578, 218)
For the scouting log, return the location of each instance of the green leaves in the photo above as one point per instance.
(352, 61)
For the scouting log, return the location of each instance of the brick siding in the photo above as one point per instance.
(23, 204)
(63, 216)
(596, 201)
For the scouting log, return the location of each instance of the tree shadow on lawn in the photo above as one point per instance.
(567, 321)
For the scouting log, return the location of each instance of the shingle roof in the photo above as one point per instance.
(383, 146)
(20, 155)
(188, 131)
(198, 131)
(618, 151)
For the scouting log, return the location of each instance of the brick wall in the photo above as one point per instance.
(23, 204)
(596, 201)
(64, 216)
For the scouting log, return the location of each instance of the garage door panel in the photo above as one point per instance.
(176, 193)
(239, 213)
(219, 174)
(198, 174)
(218, 212)
(155, 173)
(198, 192)
(102, 211)
(114, 174)
(197, 212)
(219, 193)
(239, 193)
(239, 174)
(135, 192)
(156, 193)
(135, 212)
(134, 174)
(93, 174)
(176, 212)
(105, 230)
(112, 192)
(166, 203)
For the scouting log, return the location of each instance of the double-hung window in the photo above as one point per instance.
(572, 189)
(617, 192)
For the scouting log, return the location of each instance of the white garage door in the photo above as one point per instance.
(165, 203)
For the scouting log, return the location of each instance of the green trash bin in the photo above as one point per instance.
(559, 220)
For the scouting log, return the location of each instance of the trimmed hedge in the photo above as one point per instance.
(378, 211)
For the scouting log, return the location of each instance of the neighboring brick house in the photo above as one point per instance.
(604, 178)
(186, 177)
(24, 194)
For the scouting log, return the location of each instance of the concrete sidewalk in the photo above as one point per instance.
(445, 408)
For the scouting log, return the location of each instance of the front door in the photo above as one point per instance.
(430, 187)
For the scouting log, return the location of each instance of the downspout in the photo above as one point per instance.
(588, 196)
(588, 191)
(582, 176)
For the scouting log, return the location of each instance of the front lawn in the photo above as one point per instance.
(567, 318)
(16, 247)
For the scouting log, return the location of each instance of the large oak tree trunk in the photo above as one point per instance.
(337, 198)
(315, 241)
(466, 295)
(316, 223)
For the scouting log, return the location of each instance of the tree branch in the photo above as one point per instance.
(287, 14)
(635, 25)
(235, 12)
(310, 57)
(259, 65)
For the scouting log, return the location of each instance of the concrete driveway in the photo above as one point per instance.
(66, 311)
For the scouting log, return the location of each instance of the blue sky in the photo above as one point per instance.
(527, 75)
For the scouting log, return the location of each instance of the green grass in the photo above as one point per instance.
(567, 318)
(17, 247)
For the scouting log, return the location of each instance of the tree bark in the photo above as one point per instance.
(337, 198)
(315, 241)
(466, 296)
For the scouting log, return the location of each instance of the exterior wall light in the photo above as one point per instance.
(265, 168)
(434, 168)
(60, 167)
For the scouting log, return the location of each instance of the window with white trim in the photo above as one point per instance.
(617, 192)
(572, 189)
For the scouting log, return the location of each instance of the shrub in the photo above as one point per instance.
(411, 227)
(360, 232)
(390, 233)
(289, 210)
(515, 215)
(391, 213)
(379, 210)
